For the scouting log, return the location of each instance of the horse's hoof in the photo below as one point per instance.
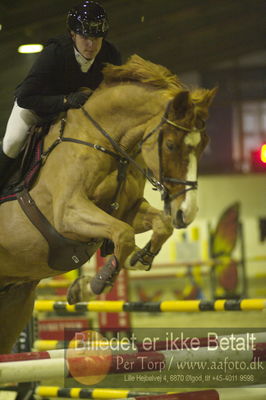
(105, 277)
(74, 292)
(136, 261)
(141, 259)
(80, 290)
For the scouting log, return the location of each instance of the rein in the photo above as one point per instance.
(157, 184)
(125, 159)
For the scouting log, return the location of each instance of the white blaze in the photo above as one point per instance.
(189, 205)
(192, 138)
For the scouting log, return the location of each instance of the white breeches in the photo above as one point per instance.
(18, 125)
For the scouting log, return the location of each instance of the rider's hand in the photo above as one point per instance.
(76, 99)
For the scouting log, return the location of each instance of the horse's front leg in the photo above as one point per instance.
(142, 218)
(84, 220)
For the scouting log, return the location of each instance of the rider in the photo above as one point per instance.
(67, 63)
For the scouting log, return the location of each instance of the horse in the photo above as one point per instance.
(140, 124)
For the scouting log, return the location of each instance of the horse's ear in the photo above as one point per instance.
(209, 96)
(181, 103)
(202, 99)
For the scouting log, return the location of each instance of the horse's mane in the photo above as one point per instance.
(136, 69)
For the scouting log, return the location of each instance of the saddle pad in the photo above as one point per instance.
(29, 167)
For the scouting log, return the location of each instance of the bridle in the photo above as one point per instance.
(124, 159)
(192, 185)
(189, 185)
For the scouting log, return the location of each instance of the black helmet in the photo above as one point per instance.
(88, 19)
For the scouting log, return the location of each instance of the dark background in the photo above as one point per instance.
(201, 40)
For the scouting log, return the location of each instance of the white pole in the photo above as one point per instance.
(29, 371)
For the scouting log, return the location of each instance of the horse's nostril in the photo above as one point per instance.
(180, 219)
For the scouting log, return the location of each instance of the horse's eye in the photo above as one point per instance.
(200, 123)
(170, 146)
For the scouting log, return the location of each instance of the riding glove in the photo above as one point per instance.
(76, 99)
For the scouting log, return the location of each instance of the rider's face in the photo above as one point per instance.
(88, 47)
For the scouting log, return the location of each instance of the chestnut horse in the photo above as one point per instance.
(141, 116)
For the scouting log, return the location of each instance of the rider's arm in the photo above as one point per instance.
(36, 91)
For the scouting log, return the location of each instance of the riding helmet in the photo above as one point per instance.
(88, 19)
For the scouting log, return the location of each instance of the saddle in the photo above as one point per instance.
(64, 254)
(27, 165)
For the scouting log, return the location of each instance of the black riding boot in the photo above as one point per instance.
(5, 168)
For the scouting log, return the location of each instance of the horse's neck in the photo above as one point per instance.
(125, 111)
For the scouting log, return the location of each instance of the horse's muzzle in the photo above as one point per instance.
(179, 222)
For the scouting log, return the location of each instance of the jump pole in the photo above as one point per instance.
(112, 394)
(31, 356)
(84, 393)
(211, 394)
(37, 370)
(259, 337)
(164, 306)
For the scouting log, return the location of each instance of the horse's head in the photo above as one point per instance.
(172, 152)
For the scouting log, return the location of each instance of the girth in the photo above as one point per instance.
(64, 254)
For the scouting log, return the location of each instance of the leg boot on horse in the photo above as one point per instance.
(87, 287)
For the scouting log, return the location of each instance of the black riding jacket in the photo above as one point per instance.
(56, 73)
